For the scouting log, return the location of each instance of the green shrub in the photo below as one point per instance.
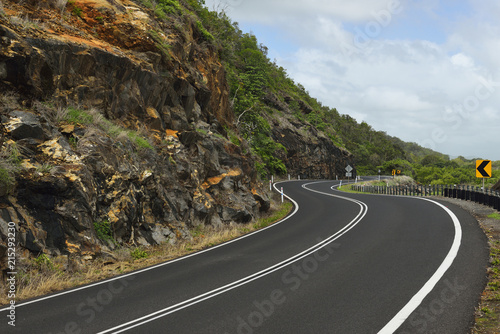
(147, 3)
(139, 141)
(160, 13)
(204, 32)
(7, 181)
(77, 116)
(160, 43)
(103, 230)
(165, 7)
(234, 138)
(138, 253)
(10, 164)
(77, 11)
(43, 261)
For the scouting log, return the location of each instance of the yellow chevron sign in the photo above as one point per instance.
(483, 169)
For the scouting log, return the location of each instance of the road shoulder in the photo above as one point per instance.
(487, 314)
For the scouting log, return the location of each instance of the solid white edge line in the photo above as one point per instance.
(210, 294)
(155, 266)
(417, 299)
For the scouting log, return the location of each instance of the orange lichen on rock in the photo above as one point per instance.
(172, 133)
(211, 181)
(72, 248)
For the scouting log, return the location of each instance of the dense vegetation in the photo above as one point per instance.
(438, 169)
(258, 84)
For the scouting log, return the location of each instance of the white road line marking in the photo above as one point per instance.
(417, 299)
(155, 266)
(210, 294)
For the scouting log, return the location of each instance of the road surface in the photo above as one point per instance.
(340, 263)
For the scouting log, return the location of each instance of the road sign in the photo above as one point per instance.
(348, 174)
(396, 172)
(483, 169)
(349, 168)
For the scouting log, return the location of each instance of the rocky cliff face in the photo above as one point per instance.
(88, 166)
(114, 119)
(309, 153)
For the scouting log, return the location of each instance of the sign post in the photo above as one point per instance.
(395, 172)
(483, 170)
(349, 172)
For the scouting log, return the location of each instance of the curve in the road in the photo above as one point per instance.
(286, 254)
(54, 295)
(417, 299)
(213, 293)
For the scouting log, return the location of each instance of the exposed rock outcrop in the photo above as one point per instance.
(81, 171)
(309, 152)
(112, 117)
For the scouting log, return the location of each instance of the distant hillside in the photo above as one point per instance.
(265, 99)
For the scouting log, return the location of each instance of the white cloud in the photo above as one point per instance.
(462, 60)
(268, 12)
(401, 86)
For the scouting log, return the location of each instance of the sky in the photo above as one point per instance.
(426, 71)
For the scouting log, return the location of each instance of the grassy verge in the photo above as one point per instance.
(494, 215)
(488, 312)
(487, 317)
(44, 275)
(348, 189)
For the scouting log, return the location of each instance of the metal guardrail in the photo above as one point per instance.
(468, 193)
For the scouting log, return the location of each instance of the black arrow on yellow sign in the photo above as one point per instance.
(483, 168)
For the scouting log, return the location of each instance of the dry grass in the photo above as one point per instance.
(37, 277)
(402, 180)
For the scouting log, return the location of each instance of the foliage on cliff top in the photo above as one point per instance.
(259, 88)
(261, 91)
(255, 81)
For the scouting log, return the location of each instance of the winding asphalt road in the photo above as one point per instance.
(340, 263)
